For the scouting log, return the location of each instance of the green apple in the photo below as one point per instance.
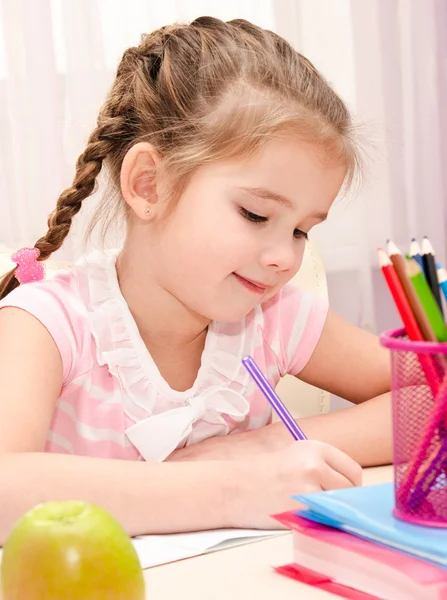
(70, 551)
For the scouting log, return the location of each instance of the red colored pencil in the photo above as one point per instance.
(400, 298)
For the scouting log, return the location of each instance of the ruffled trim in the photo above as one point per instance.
(119, 345)
(108, 316)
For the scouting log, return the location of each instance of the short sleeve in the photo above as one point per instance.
(53, 304)
(293, 323)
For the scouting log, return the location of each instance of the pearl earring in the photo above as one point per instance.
(148, 212)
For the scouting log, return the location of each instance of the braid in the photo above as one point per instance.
(69, 203)
(88, 166)
(8, 283)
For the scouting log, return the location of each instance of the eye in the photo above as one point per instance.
(253, 217)
(298, 234)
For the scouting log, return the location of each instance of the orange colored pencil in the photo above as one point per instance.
(400, 299)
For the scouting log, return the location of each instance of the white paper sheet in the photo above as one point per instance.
(156, 550)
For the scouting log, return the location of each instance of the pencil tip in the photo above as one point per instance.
(384, 260)
(413, 239)
(426, 246)
(392, 249)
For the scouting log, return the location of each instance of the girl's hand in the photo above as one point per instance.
(301, 468)
(237, 446)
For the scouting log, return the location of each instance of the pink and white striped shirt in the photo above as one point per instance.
(114, 402)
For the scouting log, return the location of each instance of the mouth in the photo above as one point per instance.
(254, 286)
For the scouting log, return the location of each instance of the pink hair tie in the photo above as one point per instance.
(28, 268)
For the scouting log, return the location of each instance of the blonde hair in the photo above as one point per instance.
(199, 93)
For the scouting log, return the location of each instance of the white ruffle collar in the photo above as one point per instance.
(165, 419)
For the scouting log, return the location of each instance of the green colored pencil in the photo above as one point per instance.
(427, 299)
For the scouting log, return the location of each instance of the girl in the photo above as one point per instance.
(122, 377)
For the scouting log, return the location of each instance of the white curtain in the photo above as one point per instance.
(387, 59)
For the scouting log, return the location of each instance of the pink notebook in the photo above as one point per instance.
(321, 582)
(351, 567)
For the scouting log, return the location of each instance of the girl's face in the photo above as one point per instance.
(238, 233)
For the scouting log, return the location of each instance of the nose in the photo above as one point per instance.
(284, 255)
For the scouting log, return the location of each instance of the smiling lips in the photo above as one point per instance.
(253, 286)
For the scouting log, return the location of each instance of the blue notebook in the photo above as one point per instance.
(367, 513)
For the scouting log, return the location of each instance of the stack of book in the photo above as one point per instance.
(348, 542)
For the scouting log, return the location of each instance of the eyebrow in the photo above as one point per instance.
(266, 194)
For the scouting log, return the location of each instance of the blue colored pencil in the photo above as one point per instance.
(273, 398)
(415, 252)
(442, 279)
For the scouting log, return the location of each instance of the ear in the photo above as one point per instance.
(138, 179)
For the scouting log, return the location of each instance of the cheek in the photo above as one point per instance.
(224, 236)
(201, 236)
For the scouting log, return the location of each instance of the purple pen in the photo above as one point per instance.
(273, 398)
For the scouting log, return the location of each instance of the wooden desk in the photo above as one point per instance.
(244, 572)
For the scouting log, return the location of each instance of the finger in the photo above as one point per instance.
(343, 464)
(333, 480)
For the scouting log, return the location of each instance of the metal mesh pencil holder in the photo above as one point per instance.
(419, 409)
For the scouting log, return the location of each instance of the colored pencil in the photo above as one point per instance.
(428, 257)
(415, 304)
(273, 398)
(432, 371)
(427, 299)
(442, 279)
(415, 252)
(400, 299)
